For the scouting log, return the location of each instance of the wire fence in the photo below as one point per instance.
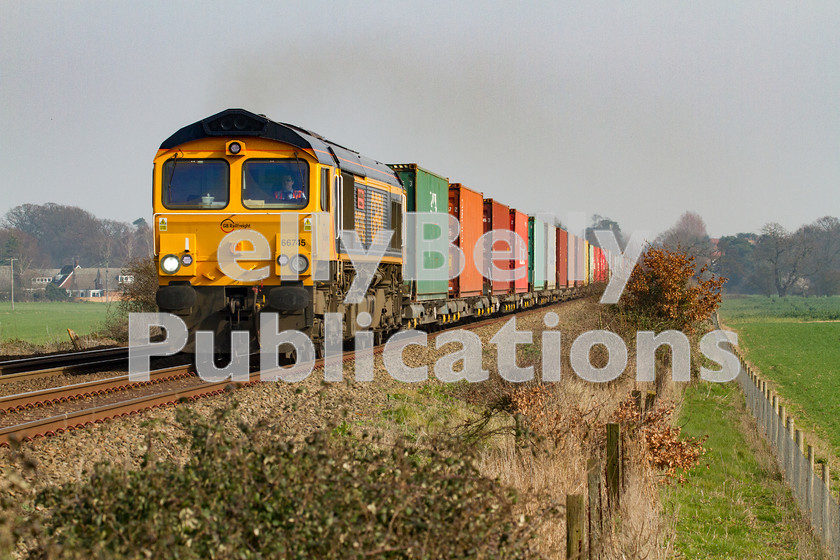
(809, 480)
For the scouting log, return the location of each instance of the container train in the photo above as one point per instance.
(237, 191)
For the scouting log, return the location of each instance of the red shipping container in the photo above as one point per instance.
(562, 258)
(598, 265)
(519, 225)
(467, 206)
(599, 258)
(604, 268)
(496, 217)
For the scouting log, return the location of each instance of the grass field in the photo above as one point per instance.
(776, 308)
(795, 343)
(45, 322)
(738, 506)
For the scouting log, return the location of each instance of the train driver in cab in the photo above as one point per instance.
(289, 191)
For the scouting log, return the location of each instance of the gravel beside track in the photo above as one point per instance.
(297, 409)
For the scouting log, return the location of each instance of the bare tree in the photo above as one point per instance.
(142, 238)
(785, 256)
(18, 245)
(114, 240)
(824, 262)
(63, 232)
(67, 233)
(688, 236)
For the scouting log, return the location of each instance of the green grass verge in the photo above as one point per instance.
(794, 343)
(735, 504)
(803, 359)
(45, 322)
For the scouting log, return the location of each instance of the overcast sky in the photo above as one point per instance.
(633, 110)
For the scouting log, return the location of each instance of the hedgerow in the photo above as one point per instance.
(327, 497)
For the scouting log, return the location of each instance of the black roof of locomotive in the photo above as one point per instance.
(237, 123)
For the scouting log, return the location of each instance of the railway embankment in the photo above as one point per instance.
(494, 427)
(504, 458)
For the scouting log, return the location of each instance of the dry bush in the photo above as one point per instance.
(665, 449)
(135, 297)
(665, 291)
(139, 295)
(553, 429)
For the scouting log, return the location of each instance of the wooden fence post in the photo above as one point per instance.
(593, 468)
(797, 468)
(613, 463)
(574, 526)
(74, 339)
(788, 444)
(826, 512)
(809, 483)
(778, 441)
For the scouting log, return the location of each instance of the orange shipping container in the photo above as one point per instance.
(467, 206)
(562, 258)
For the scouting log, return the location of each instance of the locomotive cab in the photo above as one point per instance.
(247, 216)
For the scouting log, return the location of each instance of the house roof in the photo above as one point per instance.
(39, 273)
(93, 279)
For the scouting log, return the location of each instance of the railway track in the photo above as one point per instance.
(68, 393)
(57, 364)
(48, 412)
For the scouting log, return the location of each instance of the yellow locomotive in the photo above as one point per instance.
(247, 217)
(253, 216)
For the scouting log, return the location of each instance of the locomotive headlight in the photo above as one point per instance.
(282, 260)
(299, 264)
(170, 264)
(186, 259)
(235, 148)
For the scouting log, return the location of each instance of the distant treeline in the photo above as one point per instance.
(777, 261)
(773, 261)
(51, 236)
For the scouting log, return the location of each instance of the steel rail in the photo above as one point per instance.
(53, 361)
(32, 368)
(43, 397)
(80, 419)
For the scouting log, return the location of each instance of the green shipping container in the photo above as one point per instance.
(428, 192)
(536, 253)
